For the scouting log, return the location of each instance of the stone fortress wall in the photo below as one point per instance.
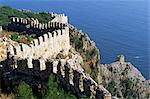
(38, 56)
(34, 23)
(47, 46)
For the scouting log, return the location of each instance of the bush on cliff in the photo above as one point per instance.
(127, 89)
(77, 43)
(91, 53)
(112, 88)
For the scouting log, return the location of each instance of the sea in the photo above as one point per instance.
(118, 27)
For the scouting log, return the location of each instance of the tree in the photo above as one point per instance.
(6, 12)
(53, 93)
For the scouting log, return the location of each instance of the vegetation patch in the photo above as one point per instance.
(128, 90)
(20, 38)
(112, 88)
(6, 12)
(24, 91)
(60, 56)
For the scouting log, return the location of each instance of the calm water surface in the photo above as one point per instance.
(117, 27)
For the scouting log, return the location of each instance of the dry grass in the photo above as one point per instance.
(86, 67)
(5, 34)
(6, 96)
(3, 53)
(21, 39)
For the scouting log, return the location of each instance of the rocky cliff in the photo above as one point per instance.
(120, 78)
(87, 49)
(123, 80)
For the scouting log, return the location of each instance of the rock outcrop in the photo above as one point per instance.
(123, 80)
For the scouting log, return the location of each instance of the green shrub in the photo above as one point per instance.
(29, 38)
(112, 88)
(15, 36)
(94, 73)
(77, 43)
(127, 90)
(53, 93)
(23, 91)
(91, 53)
(6, 12)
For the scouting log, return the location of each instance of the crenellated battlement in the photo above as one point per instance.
(72, 79)
(47, 45)
(34, 23)
(53, 37)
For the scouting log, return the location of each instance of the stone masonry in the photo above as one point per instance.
(47, 45)
(40, 53)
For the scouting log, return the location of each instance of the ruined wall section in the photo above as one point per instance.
(47, 45)
(76, 81)
(71, 79)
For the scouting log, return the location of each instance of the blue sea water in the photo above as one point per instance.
(117, 27)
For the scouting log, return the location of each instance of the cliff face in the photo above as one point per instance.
(120, 78)
(87, 49)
